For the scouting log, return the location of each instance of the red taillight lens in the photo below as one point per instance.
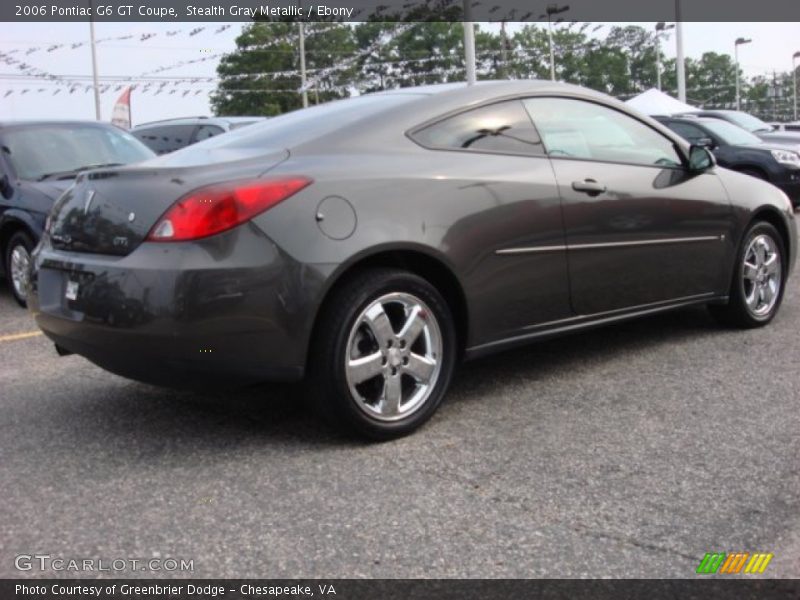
(216, 208)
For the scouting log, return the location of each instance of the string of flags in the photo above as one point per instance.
(142, 37)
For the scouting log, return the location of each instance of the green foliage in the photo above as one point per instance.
(261, 77)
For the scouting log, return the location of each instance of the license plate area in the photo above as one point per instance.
(72, 288)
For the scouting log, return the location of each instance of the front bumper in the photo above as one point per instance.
(790, 185)
(231, 309)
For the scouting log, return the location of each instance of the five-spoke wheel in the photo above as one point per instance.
(394, 349)
(384, 354)
(757, 288)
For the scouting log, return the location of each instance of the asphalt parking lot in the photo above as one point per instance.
(629, 451)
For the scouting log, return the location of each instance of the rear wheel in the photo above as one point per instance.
(18, 263)
(758, 281)
(384, 354)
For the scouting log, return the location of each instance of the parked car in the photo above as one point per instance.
(752, 124)
(38, 161)
(793, 126)
(737, 149)
(368, 244)
(172, 134)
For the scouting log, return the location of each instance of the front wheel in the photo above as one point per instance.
(758, 280)
(18, 264)
(384, 353)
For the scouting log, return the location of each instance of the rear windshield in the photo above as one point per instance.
(37, 152)
(285, 131)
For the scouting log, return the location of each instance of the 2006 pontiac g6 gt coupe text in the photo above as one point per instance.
(369, 244)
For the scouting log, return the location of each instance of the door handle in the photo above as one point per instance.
(589, 186)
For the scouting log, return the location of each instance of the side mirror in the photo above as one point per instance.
(700, 159)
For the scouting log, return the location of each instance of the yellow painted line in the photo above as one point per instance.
(19, 336)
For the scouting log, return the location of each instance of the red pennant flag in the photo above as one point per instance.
(121, 115)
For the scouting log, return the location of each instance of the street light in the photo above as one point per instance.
(736, 44)
(553, 9)
(794, 81)
(661, 27)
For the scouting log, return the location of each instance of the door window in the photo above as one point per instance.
(688, 131)
(167, 138)
(578, 129)
(206, 131)
(504, 127)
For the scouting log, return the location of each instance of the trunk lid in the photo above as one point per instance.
(111, 211)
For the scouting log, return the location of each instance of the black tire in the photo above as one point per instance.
(327, 378)
(736, 312)
(24, 241)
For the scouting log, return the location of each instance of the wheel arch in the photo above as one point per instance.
(13, 221)
(741, 168)
(774, 218)
(420, 261)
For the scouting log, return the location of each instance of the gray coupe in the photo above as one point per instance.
(368, 245)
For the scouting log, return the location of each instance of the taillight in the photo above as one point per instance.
(216, 208)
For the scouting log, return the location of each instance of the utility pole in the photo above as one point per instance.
(661, 27)
(504, 48)
(795, 56)
(680, 62)
(736, 44)
(93, 44)
(302, 34)
(469, 43)
(553, 9)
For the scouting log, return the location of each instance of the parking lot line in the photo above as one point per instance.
(19, 336)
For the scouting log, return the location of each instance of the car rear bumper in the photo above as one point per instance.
(231, 309)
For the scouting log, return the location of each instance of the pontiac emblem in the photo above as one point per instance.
(88, 201)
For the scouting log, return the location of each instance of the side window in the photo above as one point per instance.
(167, 138)
(503, 127)
(206, 131)
(687, 131)
(579, 129)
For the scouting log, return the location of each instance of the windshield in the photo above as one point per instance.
(748, 122)
(731, 134)
(42, 151)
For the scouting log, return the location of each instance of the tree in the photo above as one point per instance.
(262, 76)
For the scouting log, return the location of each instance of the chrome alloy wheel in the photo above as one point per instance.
(20, 268)
(761, 275)
(394, 356)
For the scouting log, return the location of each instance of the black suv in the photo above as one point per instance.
(38, 161)
(742, 151)
(754, 125)
(169, 135)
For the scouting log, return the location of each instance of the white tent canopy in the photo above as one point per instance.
(655, 102)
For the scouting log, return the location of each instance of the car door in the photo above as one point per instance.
(641, 229)
(496, 188)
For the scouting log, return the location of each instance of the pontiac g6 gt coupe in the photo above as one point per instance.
(371, 243)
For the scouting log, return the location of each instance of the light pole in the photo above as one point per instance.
(736, 44)
(94, 63)
(680, 63)
(794, 81)
(661, 27)
(553, 9)
(469, 43)
(302, 38)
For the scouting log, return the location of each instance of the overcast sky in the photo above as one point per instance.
(772, 48)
